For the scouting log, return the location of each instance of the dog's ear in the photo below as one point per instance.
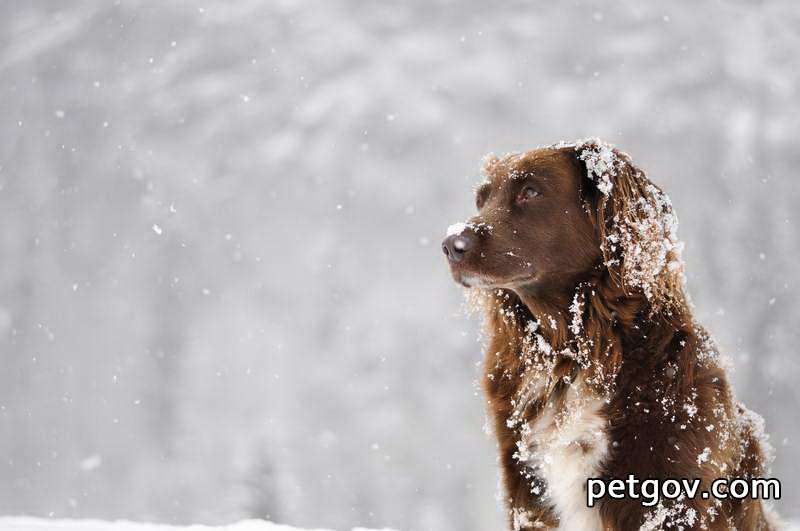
(635, 224)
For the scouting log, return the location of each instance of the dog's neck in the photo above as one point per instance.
(552, 310)
(550, 322)
(590, 326)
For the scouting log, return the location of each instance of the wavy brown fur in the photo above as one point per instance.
(638, 347)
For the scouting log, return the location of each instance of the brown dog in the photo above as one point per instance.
(595, 367)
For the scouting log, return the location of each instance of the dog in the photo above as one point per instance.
(594, 364)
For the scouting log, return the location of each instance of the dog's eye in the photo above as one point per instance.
(526, 194)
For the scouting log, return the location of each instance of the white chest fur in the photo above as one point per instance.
(565, 445)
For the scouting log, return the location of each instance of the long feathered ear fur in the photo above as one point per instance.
(636, 226)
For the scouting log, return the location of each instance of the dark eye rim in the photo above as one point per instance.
(527, 193)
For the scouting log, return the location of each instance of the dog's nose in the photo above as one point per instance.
(456, 246)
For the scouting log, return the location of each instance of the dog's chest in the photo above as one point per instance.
(564, 445)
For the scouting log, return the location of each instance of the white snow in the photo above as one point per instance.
(703, 456)
(24, 523)
(601, 162)
(456, 228)
(91, 462)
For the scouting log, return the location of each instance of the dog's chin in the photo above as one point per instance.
(467, 279)
(479, 281)
(473, 281)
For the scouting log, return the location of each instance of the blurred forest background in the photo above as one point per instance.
(221, 288)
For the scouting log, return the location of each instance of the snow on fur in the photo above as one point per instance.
(642, 251)
(456, 228)
(642, 237)
(601, 163)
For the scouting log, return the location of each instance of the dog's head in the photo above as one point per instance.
(552, 217)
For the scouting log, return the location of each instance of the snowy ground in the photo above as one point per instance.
(40, 524)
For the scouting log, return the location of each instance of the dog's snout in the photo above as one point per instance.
(456, 246)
